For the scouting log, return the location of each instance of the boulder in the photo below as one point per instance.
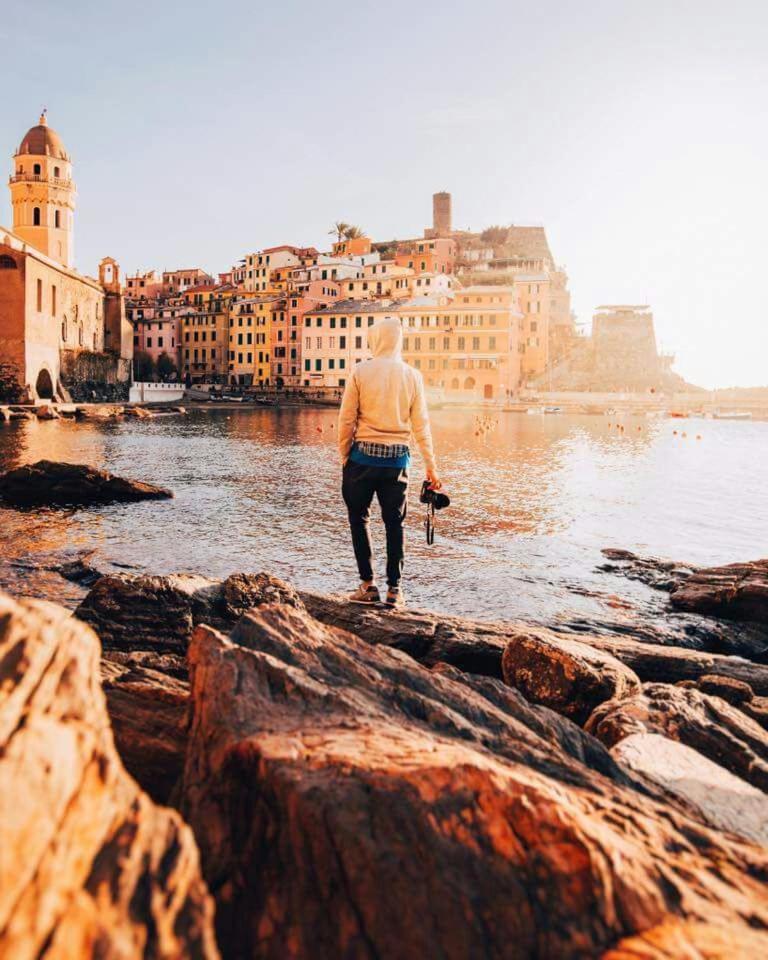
(100, 412)
(351, 803)
(46, 411)
(738, 591)
(659, 574)
(142, 612)
(148, 711)
(565, 675)
(138, 413)
(722, 799)
(47, 483)
(89, 865)
(705, 723)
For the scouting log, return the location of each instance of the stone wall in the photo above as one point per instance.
(91, 376)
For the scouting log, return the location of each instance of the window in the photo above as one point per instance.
(159, 341)
(149, 341)
(57, 218)
(358, 343)
(53, 300)
(36, 169)
(56, 172)
(475, 343)
(307, 365)
(342, 364)
(39, 296)
(462, 344)
(36, 217)
(491, 343)
(318, 364)
(319, 342)
(432, 343)
(8, 263)
(358, 321)
(343, 343)
(332, 343)
(331, 364)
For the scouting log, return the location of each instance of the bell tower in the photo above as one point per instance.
(43, 194)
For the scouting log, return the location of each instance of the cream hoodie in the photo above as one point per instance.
(384, 398)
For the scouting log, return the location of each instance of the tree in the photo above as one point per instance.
(339, 228)
(166, 368)
(144, 369)
(352, 232)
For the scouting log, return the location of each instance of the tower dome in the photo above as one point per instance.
(42, 141)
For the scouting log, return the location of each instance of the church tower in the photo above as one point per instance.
(43, 194)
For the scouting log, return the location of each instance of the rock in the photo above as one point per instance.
(22, 415)
(141, 612)
(657, 663)
(735, 692)
(675, 940)
(47, 412)
(138, 413)
(738, 591)
(89, 866)
(47, 483)
(5, 415)
(351, 803)
(148, 712)
(100, 412)
(659, 574)
(565, 675)
(724, 801)
(705, 723)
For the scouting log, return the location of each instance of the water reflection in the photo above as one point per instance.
(535, 498)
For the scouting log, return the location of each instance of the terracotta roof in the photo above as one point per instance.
(42, 141)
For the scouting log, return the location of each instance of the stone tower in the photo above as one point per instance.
(43, 194)
(441, 214)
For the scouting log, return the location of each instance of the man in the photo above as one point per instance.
(383, 405)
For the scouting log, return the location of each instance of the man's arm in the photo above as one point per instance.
(421, 429)
(350, 405)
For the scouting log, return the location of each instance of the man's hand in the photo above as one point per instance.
(434, 481)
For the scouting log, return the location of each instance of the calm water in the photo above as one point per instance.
(534, 502)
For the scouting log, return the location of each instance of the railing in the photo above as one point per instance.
(39, 178)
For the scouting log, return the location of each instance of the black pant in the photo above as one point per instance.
(390, 484)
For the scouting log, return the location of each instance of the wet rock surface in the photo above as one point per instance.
(571, 678)
(706, 723)
(738, 591)
(89, 866)
(350, 802)
(47, 483)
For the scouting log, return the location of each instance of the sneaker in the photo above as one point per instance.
(366, 594)
(395, 597)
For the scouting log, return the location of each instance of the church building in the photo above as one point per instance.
(59, 330)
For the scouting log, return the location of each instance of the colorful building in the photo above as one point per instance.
(334, 339)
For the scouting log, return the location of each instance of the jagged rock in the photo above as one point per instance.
(565, 675)
(138, 413)
(675, 940)
(724, 800)
(89, 866)
(660, 574)
(657, 663)
(71, 484)
(738, 591)
(47, 412)
(735, 692)
(241, 592)
(148, 712)
(351, 803)
(100, 412)
(141, 612)
(705, 723)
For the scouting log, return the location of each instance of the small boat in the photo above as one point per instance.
(535, 410)
(732, 415)
(553, 409)
(231, 399)
(677, 415)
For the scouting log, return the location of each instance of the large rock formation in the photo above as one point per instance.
(351, 803)
(89, 866)
(705, 723)
(565, 675)
(47, 483)
(738, 591)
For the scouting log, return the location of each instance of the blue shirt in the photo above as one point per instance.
(402, 462)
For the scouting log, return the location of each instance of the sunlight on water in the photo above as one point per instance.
(534, 501)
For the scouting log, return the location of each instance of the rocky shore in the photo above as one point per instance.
(200, 768)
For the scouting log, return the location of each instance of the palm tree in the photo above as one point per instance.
(340, 229)
(352, 232)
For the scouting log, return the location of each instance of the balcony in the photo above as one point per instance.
(39, 178)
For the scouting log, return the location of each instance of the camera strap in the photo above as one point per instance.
(429, 524)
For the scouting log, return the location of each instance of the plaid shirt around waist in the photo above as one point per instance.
(387, 451)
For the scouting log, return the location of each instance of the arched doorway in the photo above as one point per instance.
(44, 385)
(469, 383)
(488, 391)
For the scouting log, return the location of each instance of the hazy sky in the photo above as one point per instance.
(636, 132)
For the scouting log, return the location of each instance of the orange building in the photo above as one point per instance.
(467, 347)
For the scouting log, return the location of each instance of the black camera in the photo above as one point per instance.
(433, 498)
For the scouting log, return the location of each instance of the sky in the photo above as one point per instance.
(635, 132)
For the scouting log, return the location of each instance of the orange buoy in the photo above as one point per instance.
(698, 436)
(674, 433)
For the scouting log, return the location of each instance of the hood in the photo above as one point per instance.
(385, 338)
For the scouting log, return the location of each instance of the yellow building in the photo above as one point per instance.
(205, 334)
(249, 332)
(532, 291)
(59, 330)
(468, 347)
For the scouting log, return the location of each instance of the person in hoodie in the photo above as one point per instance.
(382, 408)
